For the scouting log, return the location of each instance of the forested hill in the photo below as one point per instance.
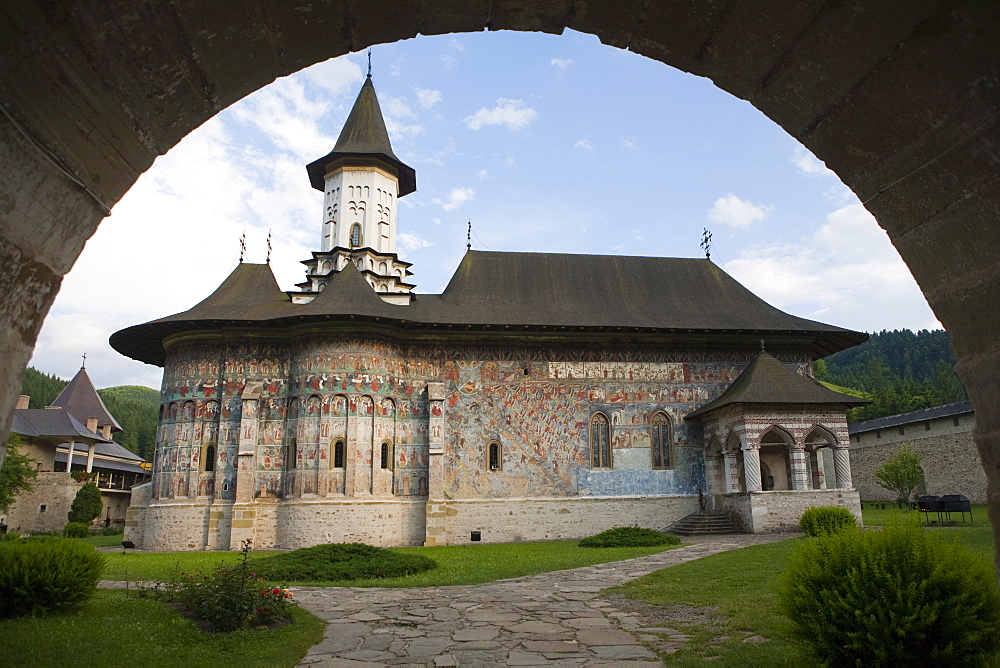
(134, 407)
(901, 370)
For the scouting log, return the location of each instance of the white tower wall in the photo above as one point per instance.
(363, 195)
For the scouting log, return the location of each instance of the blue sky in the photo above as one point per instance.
(546, 143)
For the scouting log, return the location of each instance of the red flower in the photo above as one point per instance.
(260, 610)
(275, 591)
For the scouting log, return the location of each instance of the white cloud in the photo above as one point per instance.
(449, 60)
(455, 44)
(561, 63)
(629, 145)
(584, 144)
(394, 110)
(427, 97)
(508, 161)
(484, 174)
(637, 235)
(736, 212)
(512, 113)
(337, 75)
(809, 164)
(847, 272)
(411, 242)
(456, 198)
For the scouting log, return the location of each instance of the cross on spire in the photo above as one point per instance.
(369, 63)
(468, 237)
(269, 247)
(706, 243)
(84, 365)
(243, 246)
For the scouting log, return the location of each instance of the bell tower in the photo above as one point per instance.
(362, 180)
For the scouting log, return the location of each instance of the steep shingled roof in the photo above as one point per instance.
(53, 424)
(81, 399)
(530, 291)
(767, 380)
(364, 135)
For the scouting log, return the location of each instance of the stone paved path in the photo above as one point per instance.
(552, 619)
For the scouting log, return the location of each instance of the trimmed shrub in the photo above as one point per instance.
(342, 561)
(75, 530)
(10, 535)
(823, 520)
(87, 505)
(38, 576)
(630, 537)
(897, 597)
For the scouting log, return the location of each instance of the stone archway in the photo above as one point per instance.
(900, 101)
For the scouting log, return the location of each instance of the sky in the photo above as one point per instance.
(546, 143)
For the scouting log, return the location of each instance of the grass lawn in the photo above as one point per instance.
(103, 541)
(116, 629)
(726, 603)
(457, 564)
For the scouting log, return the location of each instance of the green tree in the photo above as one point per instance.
(16, 475)
(902, 473)
(87, 505)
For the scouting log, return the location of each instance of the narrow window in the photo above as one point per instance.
(600, 442)
(290, 462)
(209, 460)
(660, 437)
(494, 456)
(339, 454)
(355, 235)
(954, 420)
(387, 455)
(927, 426)
(902, 430)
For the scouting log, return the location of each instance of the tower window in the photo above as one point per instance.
(355, 235)
(339, 454)
(600, 442)
(387, 455)
(493, 456)
(660, 441)
(209, 459)
(290, 462)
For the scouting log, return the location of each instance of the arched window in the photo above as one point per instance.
(209, 459)
(493, 456)
(387, 455)
(339, 454)
(355, 235)
(290, 460)
(660, 440)
(600, 442)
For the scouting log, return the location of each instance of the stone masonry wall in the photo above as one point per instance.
(511, 520)
(951, 461)
(52, 491)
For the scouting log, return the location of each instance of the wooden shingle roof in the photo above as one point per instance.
(517, 291)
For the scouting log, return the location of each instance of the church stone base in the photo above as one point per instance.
(200, 525)
(778, 511)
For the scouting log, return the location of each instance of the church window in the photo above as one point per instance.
(339, 454)
(209, 459)
(493, 454)
(600, 442)
(355, 235)
(382, 268)
(387, 455)
(660, 441)
(290, 461)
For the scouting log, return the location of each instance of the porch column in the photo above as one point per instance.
(69, 458)
(819, 472)
(842, 468)
(90, 458)
(800, 469)
(713, 474)
(732, 472)
(751, 468)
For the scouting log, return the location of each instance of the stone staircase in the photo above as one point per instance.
(702, 524)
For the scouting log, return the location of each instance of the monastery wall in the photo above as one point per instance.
(950, 459)
(46, 507)
(531, 519)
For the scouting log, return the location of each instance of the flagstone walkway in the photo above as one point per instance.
(552, 619)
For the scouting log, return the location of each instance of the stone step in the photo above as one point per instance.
(703, 524)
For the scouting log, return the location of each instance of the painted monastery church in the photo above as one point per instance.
(540, 396)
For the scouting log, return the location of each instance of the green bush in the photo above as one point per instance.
(897, 597)
(630, 537)
(87, 505)
(823, 520)
(342, 561)
(75, 530)
(10, 535)
(38, 576)
(233, 597)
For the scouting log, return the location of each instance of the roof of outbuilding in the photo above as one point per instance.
(53, 423)
(542, 291)
(767, 380)
(364, 135)
(81, 399)
(924, 414)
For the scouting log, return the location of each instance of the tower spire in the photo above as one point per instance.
(369, 63)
